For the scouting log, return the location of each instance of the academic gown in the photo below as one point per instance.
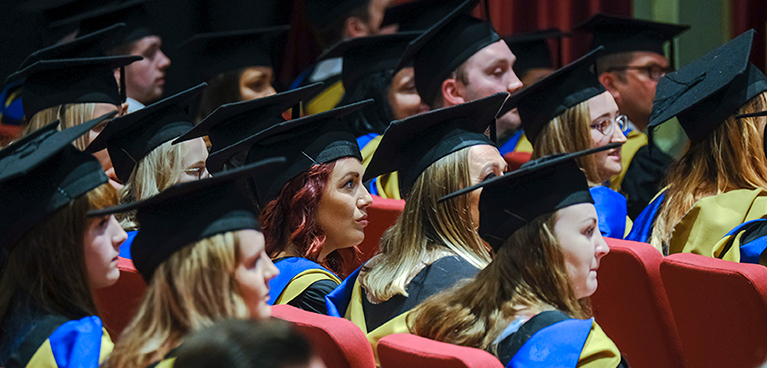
(302, 284)
(611, 212)
(643, 177)
(634, 141)
(384, 186)
(348, 300)
(518, 142)
(552, 339)
(330, 73)
(35, 338)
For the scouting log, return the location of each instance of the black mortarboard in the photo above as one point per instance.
(620, 34)
(322, 13)
(304, 142)
(411, 145)
(445, 46)
(541, 186)
(51, 83)
(91, 45)
(131, 137)
(41, 173)
(233, 122)
(552, 95)
(532, 49)
(189, 212)
(365, 55)
(418, 15)
(56, 10)
(132, 12)
(705, 92)
(218, 52)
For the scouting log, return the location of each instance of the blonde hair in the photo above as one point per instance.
(157, 171)
(428, 227)
(731, 157)
(190, 290)
(567, 133)
(528, 273)
(69, 114)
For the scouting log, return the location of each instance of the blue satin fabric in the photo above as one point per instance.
(125, 246)
(611, 211)
(643, 225)
(289, 269)
(558, 345)
(338, 300)
(511, 144)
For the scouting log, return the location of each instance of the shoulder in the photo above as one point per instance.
(75, 343)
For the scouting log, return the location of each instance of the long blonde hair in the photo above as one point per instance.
(731, 157)
(190, 290)
(157, 171)
(567, 133)
(427, 226)
(528, 273)
(69, 114)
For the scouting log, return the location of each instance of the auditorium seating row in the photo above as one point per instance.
(683, 310)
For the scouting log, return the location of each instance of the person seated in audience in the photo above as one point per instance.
(529, 306)
(237, 65)
(313, 212)
(254, 343)
(53, 254)
(721, 180)
(143, 156)
(577, 113)
(432, 245)
(201, 252)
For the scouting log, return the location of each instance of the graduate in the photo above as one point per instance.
(313, 212)
(721, 180)
(201, 252)
(53, 255)
(570, 111)
(529, 306)
(145, 161)
(237, 65)
(630, 68)
(432, 245)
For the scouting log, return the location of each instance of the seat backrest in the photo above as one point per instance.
(382, 214)
(118, 304)
(631, 307)
(339, 342)
(720, 308)
(406, 350)
(516, 159)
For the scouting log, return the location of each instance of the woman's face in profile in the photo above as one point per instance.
(485, 162)
(256, 82)
(403, 97)
(604, 130)
(582, 246)
(254, 272)
(103, 236)
(193, 162)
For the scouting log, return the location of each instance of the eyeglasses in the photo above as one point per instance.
(654, 72)
(606, 126)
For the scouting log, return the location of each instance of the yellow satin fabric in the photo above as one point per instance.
(599, 351)
(302, 281)
(326, 100)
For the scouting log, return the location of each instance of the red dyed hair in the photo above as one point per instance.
(291, 219)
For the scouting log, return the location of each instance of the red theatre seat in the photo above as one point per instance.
(118, 303)
(382, 214)
(339, 342)
(630, 305)
(515, 159)
(720, 308)
(411, 351)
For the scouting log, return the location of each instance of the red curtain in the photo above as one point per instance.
(747, 14)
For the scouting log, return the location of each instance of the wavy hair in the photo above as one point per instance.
(69, 114)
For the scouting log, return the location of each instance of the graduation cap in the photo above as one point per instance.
(532, 49)
(56, 10)
(445, 46)
(131, 137)
(705, 92)
(363, 56)
(418, 15)
(411, 145)
(323, 13)
(230, 123)
(132, 12)
(91, 45)
(620, 34)
(189, 212)
(541, 186)
(304, 142)
(554, 94)
(218, 52)
(51, 83)
(41, 173)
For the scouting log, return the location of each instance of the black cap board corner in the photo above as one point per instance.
(133, 13)
(623, 34)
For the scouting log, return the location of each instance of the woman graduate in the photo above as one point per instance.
(533, 296)
(237, 65)
(721, 181)
(141, 151)
(570, 111)
(52, 255)
(202, 255)
(314, 212)
(432, 245)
